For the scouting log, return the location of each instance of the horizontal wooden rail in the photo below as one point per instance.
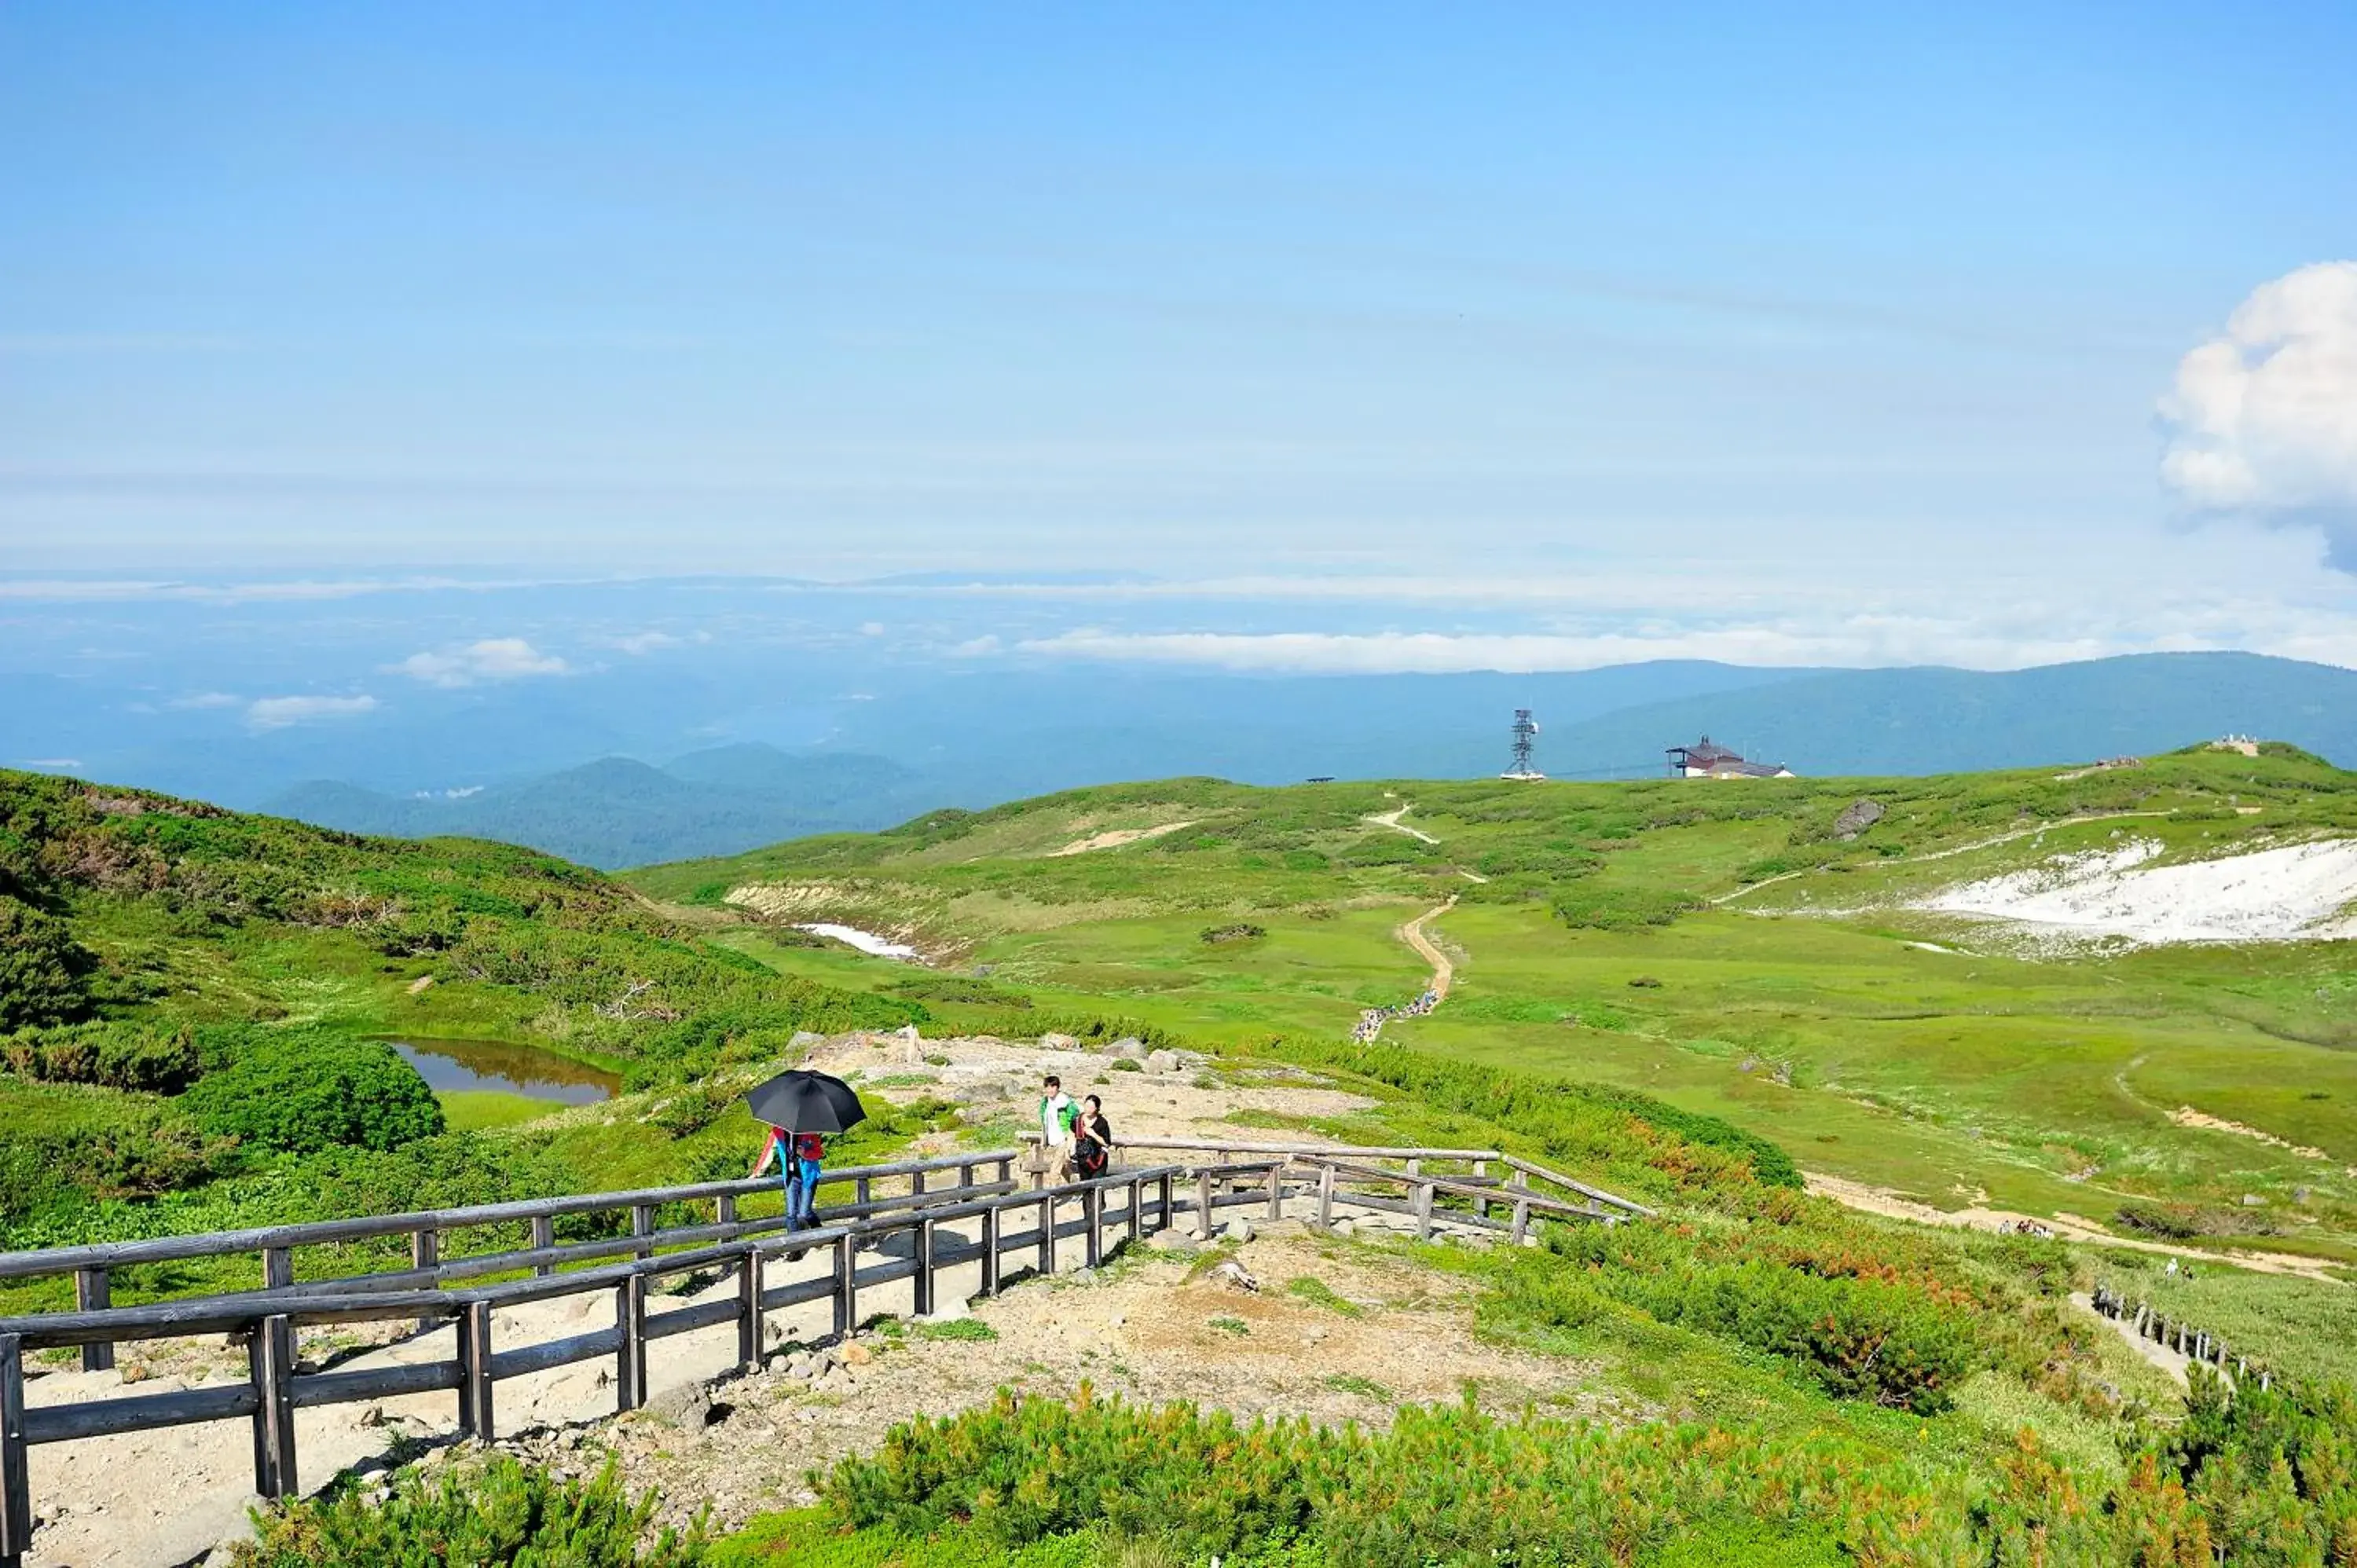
(1350, 1151)
(362, 1227)
(1581, 1188)
(266, 1319)
(1133, 1201)
(93, 1266)
(1229, 1148)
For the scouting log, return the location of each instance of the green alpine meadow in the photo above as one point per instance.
(1896, 1138)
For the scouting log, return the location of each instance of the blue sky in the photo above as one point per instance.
(1841, 335)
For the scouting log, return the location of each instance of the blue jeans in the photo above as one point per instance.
(802, 1192)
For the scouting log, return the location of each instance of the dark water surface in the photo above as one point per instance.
(511, 1070)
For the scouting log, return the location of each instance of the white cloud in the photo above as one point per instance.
(2263, 418)
(278, 712)
(493, 659)
(643, 642)
(205, 700)
(2026, 632)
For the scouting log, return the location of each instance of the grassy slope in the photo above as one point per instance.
(1943, 1075)
(192, 918)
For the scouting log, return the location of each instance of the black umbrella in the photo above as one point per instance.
(804, 1101)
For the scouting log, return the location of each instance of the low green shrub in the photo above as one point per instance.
(2263, 1481)
(501, 1512)
(693, 1109)
(1890, 1342)
(44, 972)
(1234, 931)
(1585, 905)
(959, 990)
(313, 1089)
(160, 1058)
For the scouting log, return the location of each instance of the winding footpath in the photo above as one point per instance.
(1442, 971)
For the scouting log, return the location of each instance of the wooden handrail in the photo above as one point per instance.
(268, 1318)
(50, 1261)
(276, 1390)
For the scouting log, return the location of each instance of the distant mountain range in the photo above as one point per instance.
(616, 812)
(976, 740)
(1932, 720)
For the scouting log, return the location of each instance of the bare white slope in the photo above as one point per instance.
(2298, 892)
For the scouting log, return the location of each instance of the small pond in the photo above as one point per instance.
(447, 1065)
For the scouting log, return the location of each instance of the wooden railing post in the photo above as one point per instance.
(1048, 1234)
(1168, 1182)
(426, 1252)
(475, 1415)
(277, 1267)
(921, 1292)
(1424, 1211)
(749, 1310)
(990, 1251)
(544, 1234)
(16, 1479)
(1204, 1201)
(860, 1187)
(631, 1361)
(1480, 1205)
(1006, 1169)
(1277, 1192)
(1092, 1220)
(1137, 1214)
(642, 1223)
(1325, 1198)
(847, 1283)
(272, 1362)
(1522, 1220)
(965, 1175)
(94, 1291)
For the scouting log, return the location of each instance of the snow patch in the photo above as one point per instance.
(2292, 893)
(865, 941)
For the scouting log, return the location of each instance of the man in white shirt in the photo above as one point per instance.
(1056, 1113)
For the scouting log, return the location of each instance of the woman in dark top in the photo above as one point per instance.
(1092, 1140)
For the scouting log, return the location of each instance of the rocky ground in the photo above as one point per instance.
(1292, 1322)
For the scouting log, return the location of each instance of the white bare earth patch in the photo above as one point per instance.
(1114, 838)
(865, 941)
(2294, 893)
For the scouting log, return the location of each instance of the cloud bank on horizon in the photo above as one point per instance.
(2263, 417)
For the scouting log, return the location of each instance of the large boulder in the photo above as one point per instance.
(1162, 1062)
(1855, 818)
(1059, 1043)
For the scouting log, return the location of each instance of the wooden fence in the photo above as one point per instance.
(1131, 1201)
(2146, 1321)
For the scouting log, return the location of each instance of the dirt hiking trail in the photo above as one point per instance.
(1442, 971)
(2070, 1227)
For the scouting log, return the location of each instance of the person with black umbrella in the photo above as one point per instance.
(801, 1109)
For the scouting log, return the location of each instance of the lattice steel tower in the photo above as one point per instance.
(1526, 732)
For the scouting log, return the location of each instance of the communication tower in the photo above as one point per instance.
(1525, 732)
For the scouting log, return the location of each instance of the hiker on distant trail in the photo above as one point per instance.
(799, 1156)
(1056, 1114)
(1092, 1140)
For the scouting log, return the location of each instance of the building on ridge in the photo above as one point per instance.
(1708, 760)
